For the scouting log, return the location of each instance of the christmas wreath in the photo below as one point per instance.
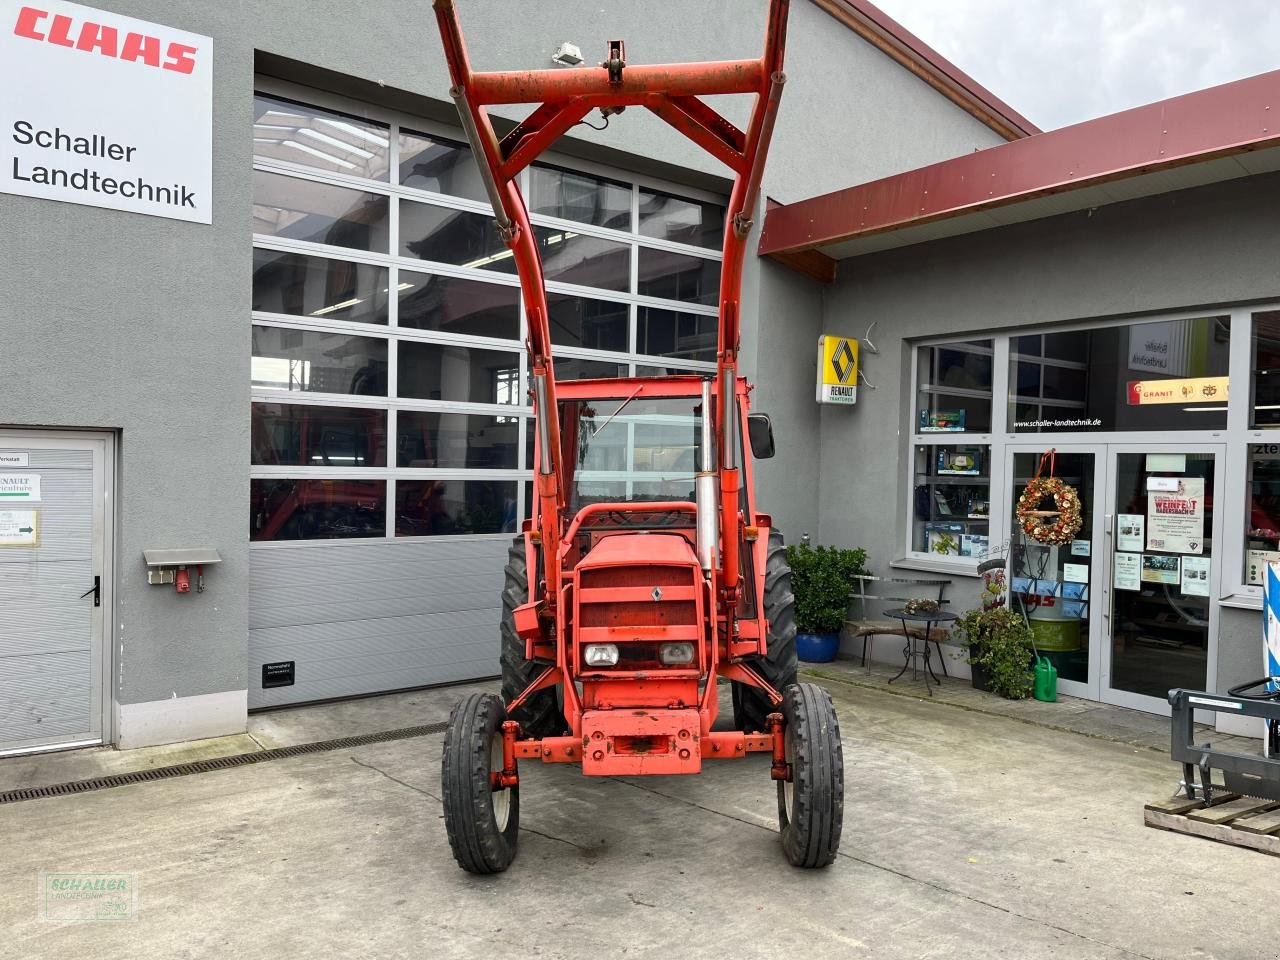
(1057, 526)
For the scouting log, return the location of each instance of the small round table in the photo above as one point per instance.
(911, 656)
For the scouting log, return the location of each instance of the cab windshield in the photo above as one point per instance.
(631, 449)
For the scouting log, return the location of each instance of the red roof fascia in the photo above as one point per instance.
(941, 66)
(1231, 118)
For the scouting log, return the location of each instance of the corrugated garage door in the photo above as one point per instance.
(360, 618)
(391, 424)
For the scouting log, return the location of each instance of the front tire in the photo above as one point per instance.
(751, 704)
(539, 716)
(811, 803)
(483, 824)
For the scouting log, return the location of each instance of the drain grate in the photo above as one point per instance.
(216, 763)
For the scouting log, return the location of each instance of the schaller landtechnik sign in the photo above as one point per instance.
(105, 110)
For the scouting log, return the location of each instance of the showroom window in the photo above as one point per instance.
(1262, 480)
(951, 481)
(388, 372)
(1134, 377)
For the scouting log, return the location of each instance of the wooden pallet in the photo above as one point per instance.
(1240, 821)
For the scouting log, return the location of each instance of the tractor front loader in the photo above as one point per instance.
(646, 572)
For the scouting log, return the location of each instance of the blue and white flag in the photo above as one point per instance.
(1271, 630)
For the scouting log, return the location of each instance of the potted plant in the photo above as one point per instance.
(998, 642)
(822, 579)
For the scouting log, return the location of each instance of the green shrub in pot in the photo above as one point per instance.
(998, 642)
(822, 579)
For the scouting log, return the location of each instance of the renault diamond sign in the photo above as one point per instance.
(837, 370)
(105, 110)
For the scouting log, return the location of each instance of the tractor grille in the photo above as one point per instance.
(638, 613)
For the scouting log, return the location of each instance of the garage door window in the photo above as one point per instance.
(386, 309)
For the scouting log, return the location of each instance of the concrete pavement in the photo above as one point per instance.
(966, 835)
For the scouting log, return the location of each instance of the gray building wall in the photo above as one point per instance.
(140, 325)
(1206, 246)
(135, 324)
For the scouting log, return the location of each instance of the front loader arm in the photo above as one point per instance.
(563, 98)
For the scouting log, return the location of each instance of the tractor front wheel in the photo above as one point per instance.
(482, 823)
(811, 802)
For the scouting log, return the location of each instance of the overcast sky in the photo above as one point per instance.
(1058, 62)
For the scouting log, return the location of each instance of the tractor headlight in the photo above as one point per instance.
(601, 654)
(674, 654)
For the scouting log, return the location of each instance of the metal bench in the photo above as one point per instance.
(891, 591)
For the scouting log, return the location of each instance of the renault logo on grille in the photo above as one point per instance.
(842, 361)
(657, 594)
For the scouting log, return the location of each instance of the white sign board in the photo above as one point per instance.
(1175, 519)
(19, 528)
(105, 110)
(1128, 571)
(19, 488)
(14, 460)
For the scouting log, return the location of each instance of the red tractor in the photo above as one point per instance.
(647, 572)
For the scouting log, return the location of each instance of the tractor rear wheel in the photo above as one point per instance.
(751, 704)
(811, 803)
(482, 823)
(539, 716)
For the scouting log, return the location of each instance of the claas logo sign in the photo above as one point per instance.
(837, 370)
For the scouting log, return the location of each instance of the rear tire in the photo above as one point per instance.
(483, 824)
(811, 804)
(751, 704)
(539, 716)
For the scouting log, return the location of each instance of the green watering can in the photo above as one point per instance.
(1046, 680)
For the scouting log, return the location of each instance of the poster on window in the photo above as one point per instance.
(1175, 518)
(1195, 576)
(1130, 531)
(1128, 571)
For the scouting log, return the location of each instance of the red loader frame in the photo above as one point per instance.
(648, 719)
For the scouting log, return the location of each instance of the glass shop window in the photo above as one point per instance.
(1266, 370)
(310, 361)
(953, 393)
(297, 209)
(306, 286)
(570, 195)
(1161, 375)
(951, 509)
(317, 509)
(695, 222)
(1262, 511)
(439, 165)
(455, 305)
(437, 507)
(447, 371)
(335, 142)
(314, 435)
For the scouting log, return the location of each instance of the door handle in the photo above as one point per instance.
(96, 590)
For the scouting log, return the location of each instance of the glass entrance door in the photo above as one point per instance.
(1055, 586)
(1162, 573)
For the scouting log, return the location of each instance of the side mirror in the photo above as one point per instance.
(760, 433)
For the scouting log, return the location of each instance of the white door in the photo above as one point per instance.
(55, 527)
(1164, 537)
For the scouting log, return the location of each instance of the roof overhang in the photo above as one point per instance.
(1211, 135)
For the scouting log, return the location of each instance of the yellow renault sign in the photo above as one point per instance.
(837, 370)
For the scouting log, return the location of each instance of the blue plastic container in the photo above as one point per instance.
(817, 647)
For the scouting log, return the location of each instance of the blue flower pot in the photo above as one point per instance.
(817, 647)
